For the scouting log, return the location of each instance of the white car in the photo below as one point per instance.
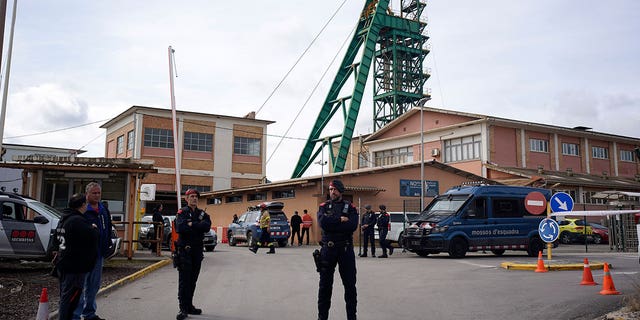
(397, 229)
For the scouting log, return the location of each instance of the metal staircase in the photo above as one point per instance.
(395, 43)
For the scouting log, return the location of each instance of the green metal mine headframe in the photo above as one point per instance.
(395, 43)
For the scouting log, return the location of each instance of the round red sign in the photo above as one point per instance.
(535, 203)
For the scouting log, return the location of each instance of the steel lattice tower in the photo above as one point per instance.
(396, 44)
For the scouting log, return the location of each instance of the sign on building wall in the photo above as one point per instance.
(411, 188)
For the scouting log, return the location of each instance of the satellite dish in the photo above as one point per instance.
(148, 192)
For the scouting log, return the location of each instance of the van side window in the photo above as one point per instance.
(507, 208)
(477, 209)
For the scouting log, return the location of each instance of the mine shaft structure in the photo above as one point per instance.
(395, 43)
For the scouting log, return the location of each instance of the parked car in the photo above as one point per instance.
(147, 231)
(29, 226)
(247, 228)
(396, 233)
(600, 233)
(573, 230)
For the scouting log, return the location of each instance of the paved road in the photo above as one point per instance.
(238, 285)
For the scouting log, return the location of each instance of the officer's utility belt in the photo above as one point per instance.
(183, 249)
(332, 244)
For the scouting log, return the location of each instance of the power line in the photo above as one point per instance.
(56, 130)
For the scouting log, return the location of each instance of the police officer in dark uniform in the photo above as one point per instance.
(338, 220)
(383, 229)
(367, 226)
(191, 225)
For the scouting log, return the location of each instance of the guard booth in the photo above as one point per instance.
(623, 228)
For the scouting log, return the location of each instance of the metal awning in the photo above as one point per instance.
(614, 195)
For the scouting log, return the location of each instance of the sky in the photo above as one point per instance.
(77, 64)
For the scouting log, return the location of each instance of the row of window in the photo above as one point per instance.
(258, 196)
(573, 149)
(193, 141)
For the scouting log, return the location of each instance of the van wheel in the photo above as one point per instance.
(232, 240)
(498, 252)
(458, 248)
(423, 253)
(535, 245)
(250, 239)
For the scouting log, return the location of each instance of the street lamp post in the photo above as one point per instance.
(321, 163)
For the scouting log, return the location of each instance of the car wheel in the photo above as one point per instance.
(597, 239)
(282, 243)
(401, 240)
(423, 253)
(458, 248)
(535, 245)
(565, 238)
(250, 239)
(232, 240)
(209, 248)
(498, 252)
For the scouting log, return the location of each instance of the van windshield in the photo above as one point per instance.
(441, 208)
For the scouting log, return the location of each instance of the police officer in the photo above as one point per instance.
(265, 235)
(191, 225)
(368, 222)
(338, 220)
(383, 229)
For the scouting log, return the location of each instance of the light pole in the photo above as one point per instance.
(322, 163)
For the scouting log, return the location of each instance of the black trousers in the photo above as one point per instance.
(71, 285)
(345, 259)
(369, 237)
(305, 231)
(384, 243)
(295, 231)
(189, 263)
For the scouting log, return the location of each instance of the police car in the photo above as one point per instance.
(27, 227)
(247, 228)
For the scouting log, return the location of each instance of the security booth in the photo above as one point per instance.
(53, 179)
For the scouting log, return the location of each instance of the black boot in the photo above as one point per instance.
(254, 248)
(384, 255)
(363, 255)
(182, 315)
(194, 310)
(390, 251)
(272, 250)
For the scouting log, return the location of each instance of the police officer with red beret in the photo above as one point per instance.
(338, 220)
(191, 225)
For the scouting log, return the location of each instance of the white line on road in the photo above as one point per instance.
(476, 264)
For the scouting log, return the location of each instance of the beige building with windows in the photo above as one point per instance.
(216, 151)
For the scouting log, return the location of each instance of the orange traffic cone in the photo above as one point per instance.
(541, 267)
(587, 277)
(43, 306)
(607, 283)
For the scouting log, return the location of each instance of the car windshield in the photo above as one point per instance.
(441, 208)
(39, 206)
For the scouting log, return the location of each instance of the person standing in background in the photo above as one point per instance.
(307, 222)
(76, 244)
(383, 230)
(99, 215)
(367, 226)
(296, 221)
(157, 217)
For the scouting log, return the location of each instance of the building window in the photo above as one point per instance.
(158, 138)
(588, 198)
(214, 200)
(538, 145)
(130, 140)
(186, 187)
(626, 155)
(196, 141)
(246, 146)
(570, 149)
(459, 149)
(600, 153)
(283, 194)
(363, 160)
(260, 196)
(393, 156)
(120, 145)
(234, 199)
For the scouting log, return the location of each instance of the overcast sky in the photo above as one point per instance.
(566, 63)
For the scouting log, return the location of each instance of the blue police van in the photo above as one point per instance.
(473, 218)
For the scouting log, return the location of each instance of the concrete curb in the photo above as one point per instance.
(137, 275)
(551, 266)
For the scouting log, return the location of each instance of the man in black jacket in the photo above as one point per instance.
(296, 221)
(77, 250)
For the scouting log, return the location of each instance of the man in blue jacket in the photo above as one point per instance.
(100, 216)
